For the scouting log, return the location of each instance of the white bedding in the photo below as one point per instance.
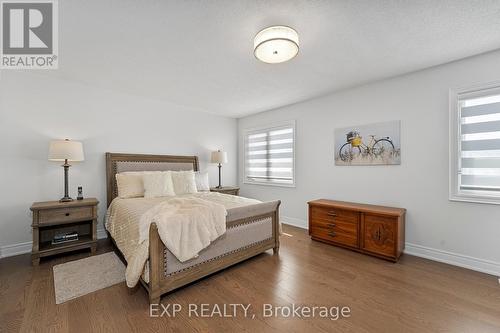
(186, 224)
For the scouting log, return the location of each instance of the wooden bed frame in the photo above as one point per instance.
(159, 282)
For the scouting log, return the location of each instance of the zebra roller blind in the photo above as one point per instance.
(479, 160)
(269, 155)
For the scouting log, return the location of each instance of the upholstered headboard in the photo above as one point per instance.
(116, 163)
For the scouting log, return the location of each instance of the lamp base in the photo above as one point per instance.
(66, 199)
(220, 184)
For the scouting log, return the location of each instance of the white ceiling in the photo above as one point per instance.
(199, 53)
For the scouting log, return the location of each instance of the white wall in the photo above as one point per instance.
(35, 109)
(465, 234)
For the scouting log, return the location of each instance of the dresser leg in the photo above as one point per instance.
(276, 250)
(93, 249)
(35, 261)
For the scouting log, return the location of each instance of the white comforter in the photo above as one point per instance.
(186, 226)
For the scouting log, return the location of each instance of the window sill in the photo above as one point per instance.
(475, 199)
(269, 184)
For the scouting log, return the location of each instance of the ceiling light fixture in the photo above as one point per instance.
(276, 44)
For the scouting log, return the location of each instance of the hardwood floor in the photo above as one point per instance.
(413, 295)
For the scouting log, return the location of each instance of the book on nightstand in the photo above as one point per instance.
(64, 238)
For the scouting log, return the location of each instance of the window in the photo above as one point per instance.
(269, 155)
(475, 145)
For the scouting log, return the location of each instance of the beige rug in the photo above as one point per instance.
(80, 277)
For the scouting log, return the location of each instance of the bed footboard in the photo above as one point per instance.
(160, 282)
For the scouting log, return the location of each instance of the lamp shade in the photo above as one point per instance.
(219, 157)
(61, 150)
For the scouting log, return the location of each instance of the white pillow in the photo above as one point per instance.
(202, 183)
(158, 185)
(184, 182)
(130, 184)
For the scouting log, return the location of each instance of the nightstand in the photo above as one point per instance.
(51, 218)
(233, 190)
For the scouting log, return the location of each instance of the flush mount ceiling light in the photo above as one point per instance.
(276, 44)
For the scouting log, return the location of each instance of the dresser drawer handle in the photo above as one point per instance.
(332, 214)
(331, 225)
(67, 214)
(332, 234)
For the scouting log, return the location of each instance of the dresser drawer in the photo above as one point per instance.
(336, 235)
(332, 213)
(65, 214)
(380, 235)
(336, 230)
(337, 225)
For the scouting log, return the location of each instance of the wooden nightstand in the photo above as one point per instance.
(233, 190)
(53, 217)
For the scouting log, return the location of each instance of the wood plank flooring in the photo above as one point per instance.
(414, 295)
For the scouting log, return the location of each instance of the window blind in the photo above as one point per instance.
(479, 169)
(269, 155)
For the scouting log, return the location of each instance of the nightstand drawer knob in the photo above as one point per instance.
(67, 214)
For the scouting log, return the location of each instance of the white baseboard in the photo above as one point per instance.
(294, 222)
(15, 249)
(25, 247)
(101, 233)
(460, 260)
(456, 259)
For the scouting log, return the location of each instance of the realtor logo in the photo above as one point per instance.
(29, 35)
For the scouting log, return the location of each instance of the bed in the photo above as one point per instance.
(252, 227)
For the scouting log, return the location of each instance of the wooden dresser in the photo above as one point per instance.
(370, 229)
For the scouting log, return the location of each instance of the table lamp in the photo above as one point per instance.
(67, 151)
(219, 157)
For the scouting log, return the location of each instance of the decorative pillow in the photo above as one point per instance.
(202, 183)
(184, 182)
(130, 184)
(158, 184)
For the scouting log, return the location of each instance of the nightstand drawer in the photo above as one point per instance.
(65, 214)
(230, 192)
(226, 190)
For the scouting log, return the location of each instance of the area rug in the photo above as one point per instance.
(80, 277)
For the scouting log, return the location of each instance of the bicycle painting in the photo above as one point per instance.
(374, 144)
